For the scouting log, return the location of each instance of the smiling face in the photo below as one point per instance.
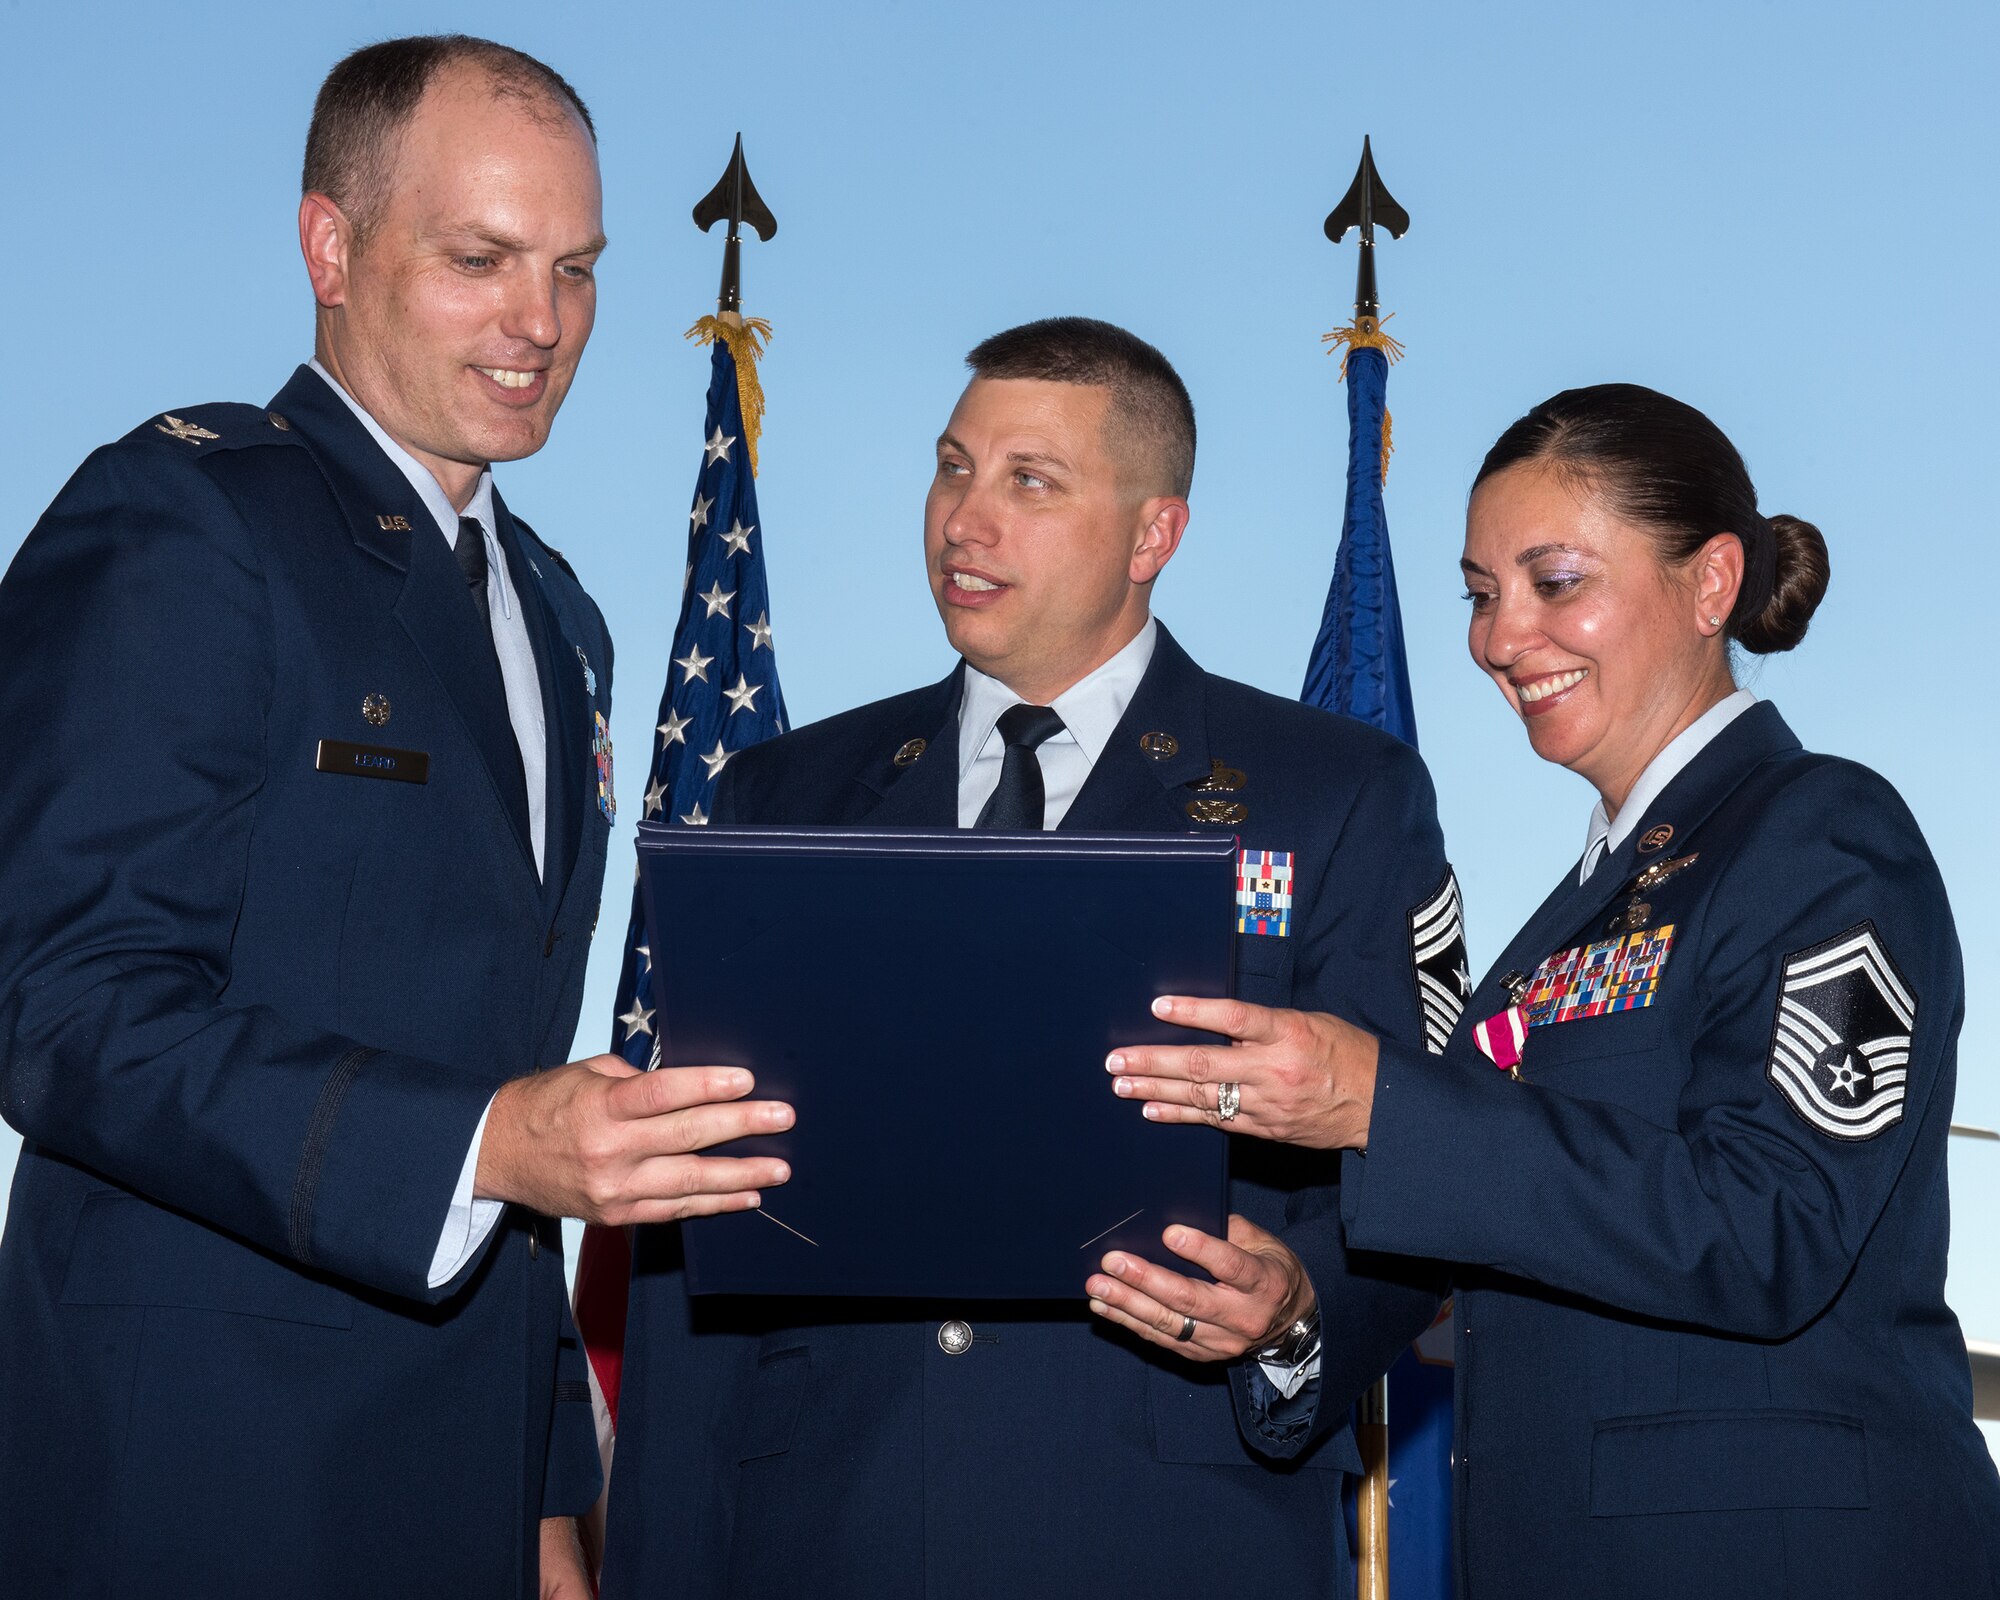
(1603, 650)
(459, 321)
(1041, 555)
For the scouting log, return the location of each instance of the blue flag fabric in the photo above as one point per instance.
(722, 692)
(1359, 669)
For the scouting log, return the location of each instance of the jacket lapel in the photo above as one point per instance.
(1131, 789)
(920, 792)
(1576, 910)
(392, 524)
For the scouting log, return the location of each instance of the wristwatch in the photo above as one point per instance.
(1297, 1345)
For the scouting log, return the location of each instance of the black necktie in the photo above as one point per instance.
(1017, 802)
(471, 553)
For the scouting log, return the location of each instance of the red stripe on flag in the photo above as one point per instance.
(603, 1280)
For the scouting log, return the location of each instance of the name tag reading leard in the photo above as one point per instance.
(372, 761)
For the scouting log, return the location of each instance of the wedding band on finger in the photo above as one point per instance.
(1228, 1101)
(1187, 1329)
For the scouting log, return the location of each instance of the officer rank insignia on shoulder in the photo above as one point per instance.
(187, 432)
(1840, 1043)
(1437, 954)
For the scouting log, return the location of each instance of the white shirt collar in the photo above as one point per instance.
(1090, 709)
(429, 490)
(1607, 835)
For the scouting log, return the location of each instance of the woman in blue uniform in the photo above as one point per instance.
(1685, 1154)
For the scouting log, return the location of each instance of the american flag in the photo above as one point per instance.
(721, 696)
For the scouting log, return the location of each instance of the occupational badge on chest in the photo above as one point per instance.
(600, 747)
(1264, 892)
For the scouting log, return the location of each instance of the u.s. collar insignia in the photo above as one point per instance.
(1655, 838)
(1220, 780)
(1840, 1044)
(589, 676)
(389, 522)
(1264, 892)
(911, 752)
(1160, 746)
(186, 432)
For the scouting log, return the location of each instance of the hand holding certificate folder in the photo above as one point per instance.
(937, 1008)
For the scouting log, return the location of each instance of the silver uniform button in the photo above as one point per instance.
(955, 1337)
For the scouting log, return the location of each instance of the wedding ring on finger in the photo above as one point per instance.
(1228, 1101)
(1187, 1329)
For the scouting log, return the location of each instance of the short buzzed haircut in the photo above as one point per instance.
(370, 96)
(1151, 417)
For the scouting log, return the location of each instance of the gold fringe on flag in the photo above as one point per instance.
(746, 338)
(1365, 333)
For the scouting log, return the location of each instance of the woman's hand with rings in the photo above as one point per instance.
(1294, 1077)
(1260, 1289)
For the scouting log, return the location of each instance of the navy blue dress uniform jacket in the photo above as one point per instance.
(834, 1449)
(250, 1015)
(1702, 1343)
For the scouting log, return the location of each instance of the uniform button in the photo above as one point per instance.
(955, 1337)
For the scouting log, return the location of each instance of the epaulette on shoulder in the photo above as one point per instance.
(222, 426)
(555, 555)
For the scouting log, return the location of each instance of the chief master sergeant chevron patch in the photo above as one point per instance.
(1840, 1043)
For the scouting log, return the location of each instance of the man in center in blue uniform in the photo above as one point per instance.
(895, 1450)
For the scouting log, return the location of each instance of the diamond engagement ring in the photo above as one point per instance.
(1228, 1101)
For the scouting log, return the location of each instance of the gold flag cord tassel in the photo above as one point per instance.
(746, 338)
(1365, 333)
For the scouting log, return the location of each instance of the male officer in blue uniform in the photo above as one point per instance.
(304, 831)
(899, 1450)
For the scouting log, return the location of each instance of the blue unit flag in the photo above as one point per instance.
(1359, 669)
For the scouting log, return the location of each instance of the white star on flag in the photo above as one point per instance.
(717, 448)
(743, 697)
(696, 818)
(656, 796)
(699, 516)
(637, 1020)
(645, 953)
(716, 759)
(694, 664)
(737, 539)
(674, 729)
(716, 601)
(760, 632)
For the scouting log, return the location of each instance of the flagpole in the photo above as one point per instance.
(1357, 669)
(1371, 1567)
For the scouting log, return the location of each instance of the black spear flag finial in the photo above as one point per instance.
(1367, 204)
(734, 200)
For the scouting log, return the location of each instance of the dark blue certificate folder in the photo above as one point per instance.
(938, 1007)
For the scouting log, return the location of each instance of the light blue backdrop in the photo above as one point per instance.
(1780, 212)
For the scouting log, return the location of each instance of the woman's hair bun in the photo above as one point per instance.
(1797, 587)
